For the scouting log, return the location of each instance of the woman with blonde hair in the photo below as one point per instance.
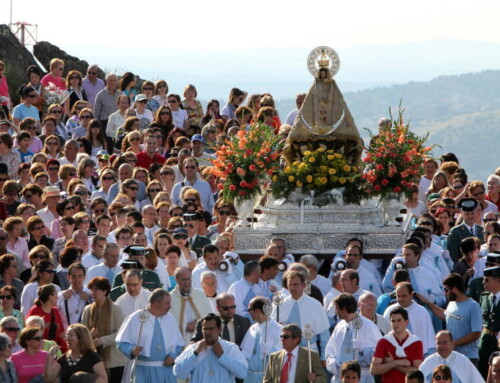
(74, 91)
(37, 254)
(191, 105)
(167, 178)
(80, 357)
(132, 142)
(107, 179)
(438, 183)
(191, 195)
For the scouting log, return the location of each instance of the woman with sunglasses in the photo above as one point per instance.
(56, 111)
(131, 124)
(222, 211)
(191, 195)
(8, 297)
(52, 147)
(161, 91)
(8, 276)
(86, 115)
(74, 91)
(44, 275)
(36, 230)
(64, 208)
(179, 115)
(36, 255)
(45, 306)
(167, 178)
(164, 120)
(30, 361)
(129, 188)
(7, 369)
(96, 138)
(152, 190)
(132, 142)
(441, 374)
(107, 179)
(188, 257)
(74, 121)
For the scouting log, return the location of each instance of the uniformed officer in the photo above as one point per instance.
(476, 288)
(150, 279)
(491, 317)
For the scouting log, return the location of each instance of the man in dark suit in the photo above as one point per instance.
(234, 326)
(467, 229)
(292, 363)
(196, 242)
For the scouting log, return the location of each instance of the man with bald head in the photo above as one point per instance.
(368, 308)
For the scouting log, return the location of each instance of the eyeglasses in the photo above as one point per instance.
(6, 296)
(53, 143)
(172, 101)
(211, 131)
(86, 117)
(189, 167)
(74, 78)
(189, 225)
(224, 212)
(439, 377)
(133, 188)
(227, 308)
(108, 178)
(39, 228)
(154, 190)
(56, 111)
(162, 113)
(37, 338)
(12, 329)
(147, 88)
(286, 336)
(89, 72)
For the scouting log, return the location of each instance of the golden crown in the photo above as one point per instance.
(323, 61)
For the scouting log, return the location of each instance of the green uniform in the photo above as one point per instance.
(488, 342)
(476, 289)
(150, 280)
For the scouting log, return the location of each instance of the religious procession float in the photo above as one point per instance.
(321, 185)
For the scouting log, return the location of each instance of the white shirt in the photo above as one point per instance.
(461, 368)
(100, 270)
(90, 260)
(75, 306)
(293, 368)
(130, 304)
(178, 117)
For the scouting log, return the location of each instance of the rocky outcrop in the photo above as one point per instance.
(16, 58)
(45, 52)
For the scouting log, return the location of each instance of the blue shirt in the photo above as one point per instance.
(462, 318)
(25, 157)
(22, 111)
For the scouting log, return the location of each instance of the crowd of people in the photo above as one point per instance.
(117, 258)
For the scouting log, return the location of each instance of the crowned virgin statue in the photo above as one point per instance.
(324, 119)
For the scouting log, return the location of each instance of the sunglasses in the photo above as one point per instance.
(56, 111)
(166, 173)
(89, 72)
(224, 212)
(172, 101)
(99, 211)
(108, 178)
(81, 193)
(189, 167)
(12, 329)
(161, 86)
(439, 377)
(74, 78)
(227, 308)
(39, 228)
(134, 139)
(50, 271)
(37, 338)
(180, 236)
(52, 143)
(177, 215)
(32, 95)
(132, 161)
(175, 227)
(147, 88)
(193, 200)
(133, 188)
(162, 113)
(39, 256)
(6, 296)
(86, 117)
(142, 101)
(102, 160)
(286, 336)
(154, 190)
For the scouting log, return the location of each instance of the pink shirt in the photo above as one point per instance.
(20, 248)
(4, 88)
(28, 366)
(59, 82)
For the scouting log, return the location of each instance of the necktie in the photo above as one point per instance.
(472, 230)
(286, 368)
(190, 242)
(294, 316)
(110, 276)
(225, 331)
(493, 302)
